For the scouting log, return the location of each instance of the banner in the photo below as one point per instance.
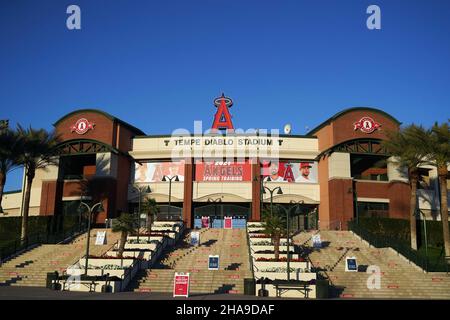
(228, 223)
(222, 171)
(289, 171)
(205, 221)
(213, 263)
(181, 285)
(155, 171)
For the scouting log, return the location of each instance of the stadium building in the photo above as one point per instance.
(338, 171)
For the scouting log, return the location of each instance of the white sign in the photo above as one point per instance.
(101, 238)
(351, 265)
(195, 238)
(316, 241)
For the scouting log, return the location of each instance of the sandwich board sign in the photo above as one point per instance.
(228, 223)
(101, 238)
(181, 285)
(351, 264)
(213, 262)
(195, 238)
(316, 241)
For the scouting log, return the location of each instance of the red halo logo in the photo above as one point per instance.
(82, 126)
(366, 125)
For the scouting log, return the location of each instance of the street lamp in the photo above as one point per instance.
(140, 190)
(425, 234)
(294, 205)
(271, 191)
(167, 178)
(215, 201)
(99, 207)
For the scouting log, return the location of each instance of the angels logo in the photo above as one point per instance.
(367, 125)
(82, 126)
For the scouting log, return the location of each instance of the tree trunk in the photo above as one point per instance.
(149, 222)
(26, 205)
(442, 173)
(2, 186)
(412, 212)
(123, 240)
(276, 243)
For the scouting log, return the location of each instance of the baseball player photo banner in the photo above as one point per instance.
(289, 171)
(155, 171)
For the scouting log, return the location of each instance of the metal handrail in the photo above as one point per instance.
(402, 248)
(250, 257)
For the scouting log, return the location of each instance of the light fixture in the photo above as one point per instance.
(279, 191)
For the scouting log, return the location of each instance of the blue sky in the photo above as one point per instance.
(160, 64)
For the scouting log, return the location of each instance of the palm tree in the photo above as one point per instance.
(438, 147)
(274, 226)
(150, 206)
(36, 153)
(405, 146)
(9, 155)
(125, 225)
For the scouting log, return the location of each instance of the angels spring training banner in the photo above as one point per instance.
(155, 171)
(219, 171)
(289, 171)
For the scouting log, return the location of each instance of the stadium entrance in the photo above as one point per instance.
(221, 215)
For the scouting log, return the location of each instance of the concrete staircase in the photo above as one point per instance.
(399, 278)
(31, 267)
(230, 245)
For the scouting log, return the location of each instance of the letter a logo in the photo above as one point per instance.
(222, 118)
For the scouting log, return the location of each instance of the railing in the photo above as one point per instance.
(430, 265)
(249, 252)
(15, 246)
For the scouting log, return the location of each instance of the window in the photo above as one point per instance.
(369, 167)
(373, 209)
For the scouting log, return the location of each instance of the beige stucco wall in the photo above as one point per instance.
(159, 192)
(339, 165)
(166, 147)
(309, 193)
(227, 191)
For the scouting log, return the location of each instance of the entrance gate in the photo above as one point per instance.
(217, 214)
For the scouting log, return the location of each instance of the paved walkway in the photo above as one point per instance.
(27, 293)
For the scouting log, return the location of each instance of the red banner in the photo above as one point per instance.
(181, 285)
(223, 171)
(228, 223)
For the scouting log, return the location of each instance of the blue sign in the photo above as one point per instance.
(213, 263)
(351, 265)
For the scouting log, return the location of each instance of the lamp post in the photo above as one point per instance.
(167, 178)
(425, 234)
(271, 191)
(215, 201)
(294, 205)
(140, 190)
(99, 206)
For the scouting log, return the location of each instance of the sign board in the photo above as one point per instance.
(195, 238)
(223, 171)
(213, 263)
(228, 223)
(205, 221)
(316, 241)
(181, 285)
(351, 265)
(290, 171)
(101, 238)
